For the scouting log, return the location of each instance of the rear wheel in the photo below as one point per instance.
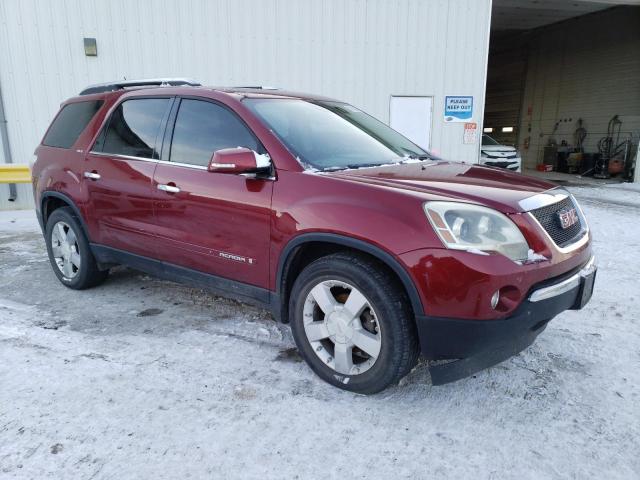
(69, 252)
(352, 323)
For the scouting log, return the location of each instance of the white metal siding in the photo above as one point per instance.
(584, 68)
(361, 51)
(24, 199)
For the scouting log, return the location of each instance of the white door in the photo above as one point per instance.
(411, 116)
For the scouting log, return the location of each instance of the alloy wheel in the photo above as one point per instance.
(65, 249)
(342, 327)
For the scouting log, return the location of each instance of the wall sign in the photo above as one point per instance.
(470, 133)
(458, 109)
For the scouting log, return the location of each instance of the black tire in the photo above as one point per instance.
(88, 274)
(399, 348)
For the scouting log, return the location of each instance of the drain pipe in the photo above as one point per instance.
(4, 135)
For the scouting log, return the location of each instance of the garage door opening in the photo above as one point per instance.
(562, 86)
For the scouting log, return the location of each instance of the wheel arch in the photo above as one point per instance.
(57, 200)
(332, 243)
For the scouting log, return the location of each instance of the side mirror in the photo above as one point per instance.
(237, 161)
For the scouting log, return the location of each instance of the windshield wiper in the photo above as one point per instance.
(365, 165)
(355, 166)
(352, 166)
(423, 156)
(335, 168)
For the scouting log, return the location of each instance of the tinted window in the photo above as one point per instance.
(134, 127)
(70, 123)
(202, 128)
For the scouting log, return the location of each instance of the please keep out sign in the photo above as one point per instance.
(458, 108)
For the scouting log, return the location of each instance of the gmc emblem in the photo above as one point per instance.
(568, 218)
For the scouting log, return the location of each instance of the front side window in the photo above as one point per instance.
(333, 135)
(70, 122)
(203, 127)
(134, 127)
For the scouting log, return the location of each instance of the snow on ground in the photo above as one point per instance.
(17, 221)
(143, 378)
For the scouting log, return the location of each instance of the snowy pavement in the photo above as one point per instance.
(143, 378)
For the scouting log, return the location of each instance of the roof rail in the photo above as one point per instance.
(147, 82)
(256, 87)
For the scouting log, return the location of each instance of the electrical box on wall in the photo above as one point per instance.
(90, 47)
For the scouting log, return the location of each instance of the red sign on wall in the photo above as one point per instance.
(470, 133)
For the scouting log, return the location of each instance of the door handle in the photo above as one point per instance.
(168, 188)
(92, 175)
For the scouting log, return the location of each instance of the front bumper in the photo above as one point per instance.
(478, 344)
(513, 164)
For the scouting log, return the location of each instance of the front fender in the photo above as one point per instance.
(384, 256)
(380, 221)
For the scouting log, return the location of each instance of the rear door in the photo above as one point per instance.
(214, 223)
(118, 176)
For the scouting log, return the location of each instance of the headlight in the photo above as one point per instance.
(463, 226)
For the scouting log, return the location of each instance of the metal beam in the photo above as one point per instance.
(12, 174)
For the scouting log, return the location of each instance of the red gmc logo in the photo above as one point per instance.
(568, 218)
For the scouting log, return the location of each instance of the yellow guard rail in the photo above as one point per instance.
(14, 173)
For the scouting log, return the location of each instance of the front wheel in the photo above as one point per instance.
(352, 323)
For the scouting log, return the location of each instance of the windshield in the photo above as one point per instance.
(487, 140)
(333, 135)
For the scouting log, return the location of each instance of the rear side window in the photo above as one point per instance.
(70, 122)
(133, 128)
(201, 128)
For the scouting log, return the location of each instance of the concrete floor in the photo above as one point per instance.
(571, 178)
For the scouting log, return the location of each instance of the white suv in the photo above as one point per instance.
(493, 154)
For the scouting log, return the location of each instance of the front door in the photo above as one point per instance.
(118, 174)
(214, 223)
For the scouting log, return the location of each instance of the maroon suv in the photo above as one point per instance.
(372, 249)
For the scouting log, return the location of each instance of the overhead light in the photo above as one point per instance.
(487, 129)
(507, 129)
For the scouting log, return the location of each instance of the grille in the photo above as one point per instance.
(548, 218)
(501, 164)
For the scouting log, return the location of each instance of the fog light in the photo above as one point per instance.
(494, 299)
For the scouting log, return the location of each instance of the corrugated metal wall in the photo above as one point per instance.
(24, 197)
(584, 68)
(361, 51)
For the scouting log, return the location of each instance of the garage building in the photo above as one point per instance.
(421, 66)
(562, 77)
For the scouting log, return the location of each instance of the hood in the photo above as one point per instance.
(496, 188)
(498, 148)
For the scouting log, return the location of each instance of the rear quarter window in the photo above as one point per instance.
(70, 122)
